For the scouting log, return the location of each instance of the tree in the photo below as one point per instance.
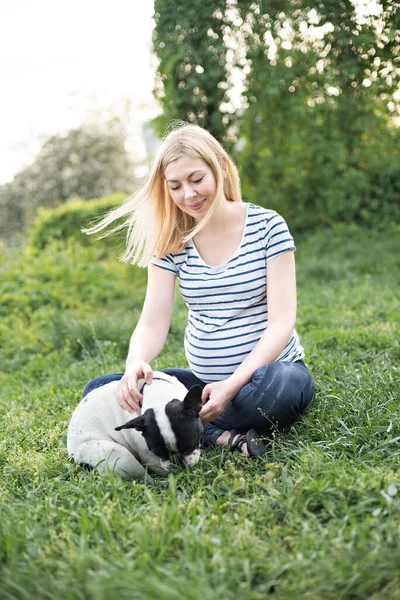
(192, 76)
(88, 162)
(319, 130)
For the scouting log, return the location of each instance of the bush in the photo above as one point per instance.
(310, 193)
(66, 221)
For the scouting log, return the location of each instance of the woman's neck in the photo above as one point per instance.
(226, 212)
(220, 239)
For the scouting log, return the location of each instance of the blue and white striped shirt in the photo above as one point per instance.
(228, 310)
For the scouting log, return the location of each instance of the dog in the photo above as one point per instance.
(99, 435)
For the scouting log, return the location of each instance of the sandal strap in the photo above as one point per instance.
(255, 446)
(236, 444)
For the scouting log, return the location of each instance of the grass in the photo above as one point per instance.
(317, 518)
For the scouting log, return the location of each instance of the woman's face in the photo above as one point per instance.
(192, 185)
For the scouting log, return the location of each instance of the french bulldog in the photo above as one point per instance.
(104, 436)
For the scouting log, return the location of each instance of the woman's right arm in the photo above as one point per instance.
(149, 336)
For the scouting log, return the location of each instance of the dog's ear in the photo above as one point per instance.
(192, 401)
(136, 423)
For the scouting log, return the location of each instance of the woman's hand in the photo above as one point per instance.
(220, 394)
(128, 395)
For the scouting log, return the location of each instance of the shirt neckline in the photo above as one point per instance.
(222, 265)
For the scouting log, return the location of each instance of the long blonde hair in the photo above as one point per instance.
(156, 226)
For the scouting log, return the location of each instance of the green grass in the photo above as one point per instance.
(317, 518)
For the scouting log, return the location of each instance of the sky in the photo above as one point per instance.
(65, 62)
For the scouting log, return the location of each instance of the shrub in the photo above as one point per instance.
(66, 221)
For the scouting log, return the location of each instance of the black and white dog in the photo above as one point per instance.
(100, 436)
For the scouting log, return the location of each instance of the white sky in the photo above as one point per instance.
(61, 61)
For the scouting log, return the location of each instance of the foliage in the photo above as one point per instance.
(319, 138)
(192, 77)
(66, 221)
(88, 162)
(318, 517)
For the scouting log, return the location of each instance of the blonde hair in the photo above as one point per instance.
(156, 226)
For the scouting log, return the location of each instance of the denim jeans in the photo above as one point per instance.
(276, 396)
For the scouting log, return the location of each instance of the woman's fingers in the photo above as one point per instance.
(127, 400)
(205, 394)
(132, 389)
(128, 395)
(147, 372)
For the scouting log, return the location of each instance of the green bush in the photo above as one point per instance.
(320, 185)
(66, 221)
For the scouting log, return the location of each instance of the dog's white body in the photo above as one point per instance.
(92, 438)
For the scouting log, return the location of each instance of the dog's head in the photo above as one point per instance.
(173, 429)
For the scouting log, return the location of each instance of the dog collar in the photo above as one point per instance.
(154, 379)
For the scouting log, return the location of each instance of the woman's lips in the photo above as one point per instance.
(197, 206)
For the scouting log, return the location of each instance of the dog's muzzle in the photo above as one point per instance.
(192, 459)
(187, 460)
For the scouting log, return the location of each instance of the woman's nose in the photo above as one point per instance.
(189, 192)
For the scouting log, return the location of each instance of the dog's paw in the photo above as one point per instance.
(166, 465)
(161, 467)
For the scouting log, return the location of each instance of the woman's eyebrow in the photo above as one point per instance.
(175, 180)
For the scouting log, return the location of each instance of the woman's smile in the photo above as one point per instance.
(198, 205)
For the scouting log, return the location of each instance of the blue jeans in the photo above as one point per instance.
(276, 396)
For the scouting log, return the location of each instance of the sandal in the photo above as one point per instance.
(255, 445)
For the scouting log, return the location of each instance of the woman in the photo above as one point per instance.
(236, 271)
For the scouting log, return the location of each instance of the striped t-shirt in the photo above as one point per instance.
(228, 310)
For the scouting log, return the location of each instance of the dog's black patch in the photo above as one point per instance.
(185, 421)
(152, 435)
(147, 424)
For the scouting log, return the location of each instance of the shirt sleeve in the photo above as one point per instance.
(278, 238)
(165, 262)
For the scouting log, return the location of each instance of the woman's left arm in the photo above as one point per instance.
(281, 297)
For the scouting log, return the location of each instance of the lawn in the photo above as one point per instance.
(317, 518)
